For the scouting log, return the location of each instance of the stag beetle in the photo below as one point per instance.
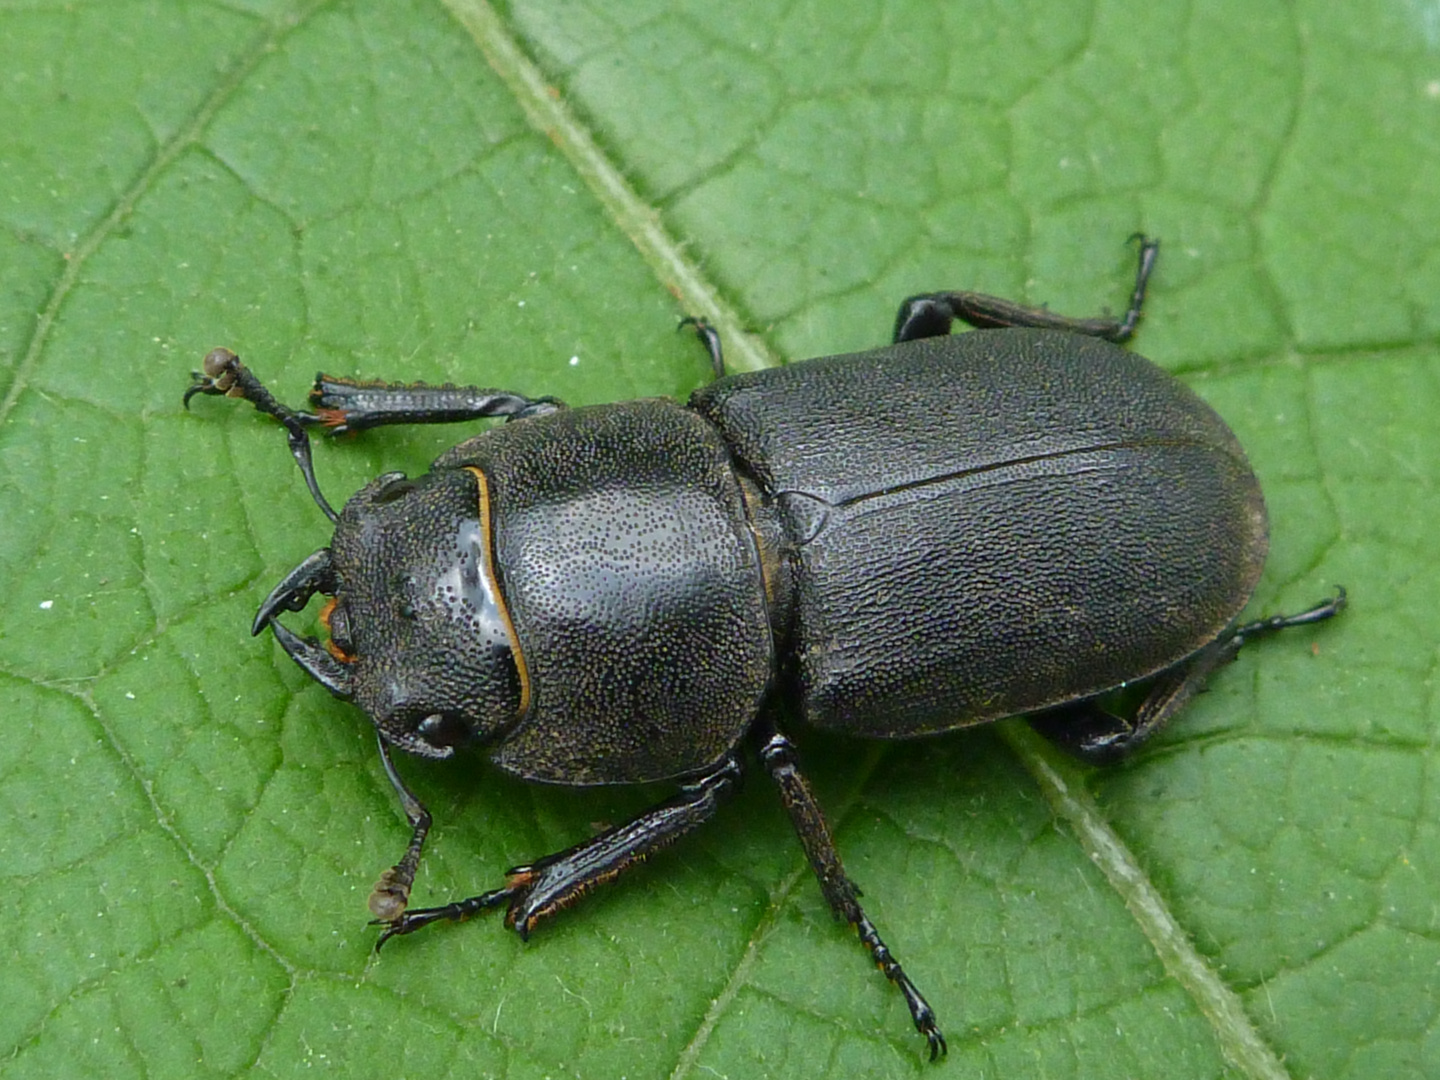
(934, 534)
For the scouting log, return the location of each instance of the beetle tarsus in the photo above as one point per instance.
(920, 1010)
(225, 374)
(391, 895)
(1325, 609)
(710, 338)
(410, 921)
(1149, 252)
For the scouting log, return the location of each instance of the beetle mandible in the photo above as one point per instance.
(934, 534)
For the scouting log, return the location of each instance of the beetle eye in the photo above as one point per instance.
(336, 620)
(441, 730)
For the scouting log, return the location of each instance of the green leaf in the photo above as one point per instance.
(529, 197)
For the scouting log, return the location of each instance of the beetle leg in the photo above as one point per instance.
(840, 892)
(710, 338)
(540, 889)
(392, 891)
(930, 314)
(344, 405)
(225, 374)
(1099, 737)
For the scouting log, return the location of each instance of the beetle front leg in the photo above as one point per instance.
(225, 375)
(778, 754)
(537, 891)
(392, 892)
(343, 405)
(930, 314)
(1099, 737)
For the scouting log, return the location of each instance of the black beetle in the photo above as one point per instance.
(938, 533)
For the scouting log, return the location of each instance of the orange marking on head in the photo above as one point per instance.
(330, 646)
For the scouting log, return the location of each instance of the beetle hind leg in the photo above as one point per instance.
(1099, 737)
(778, 754)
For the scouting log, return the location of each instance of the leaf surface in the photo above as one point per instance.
(529, 196)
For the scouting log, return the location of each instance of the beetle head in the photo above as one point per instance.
(419, 635)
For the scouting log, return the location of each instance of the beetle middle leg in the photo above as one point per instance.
(778, 754)
(930, 314)
(1100, 737)
(540, 889)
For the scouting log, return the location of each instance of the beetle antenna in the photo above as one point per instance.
(225, 374)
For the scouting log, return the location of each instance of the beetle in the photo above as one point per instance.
(930, 535)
